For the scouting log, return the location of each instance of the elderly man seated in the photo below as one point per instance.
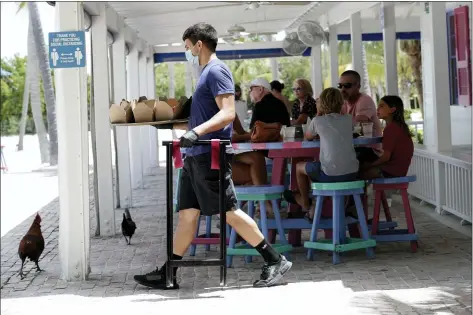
(249, 168)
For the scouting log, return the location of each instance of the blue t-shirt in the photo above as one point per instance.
(215, 79)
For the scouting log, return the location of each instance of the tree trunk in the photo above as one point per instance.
(49, 96)
(24, 110)
(35, 94)
(366, 75)
(417, 72)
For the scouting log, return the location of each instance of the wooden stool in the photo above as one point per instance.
(261, 194)
(395, 235)
(339, 242)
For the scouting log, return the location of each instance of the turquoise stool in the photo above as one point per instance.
(260, 194)
(339, 242)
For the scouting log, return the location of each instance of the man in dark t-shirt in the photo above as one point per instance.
(268, 108)
(211, 117)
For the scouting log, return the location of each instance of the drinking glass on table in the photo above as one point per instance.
(367, 129)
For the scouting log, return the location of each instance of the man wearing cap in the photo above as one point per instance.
(268, 108)
(212, 114)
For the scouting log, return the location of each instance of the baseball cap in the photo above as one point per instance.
(261, 82)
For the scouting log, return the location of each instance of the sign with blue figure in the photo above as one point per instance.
(67, 49)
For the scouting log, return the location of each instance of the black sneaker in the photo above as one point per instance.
(156, 279)
(272, 274)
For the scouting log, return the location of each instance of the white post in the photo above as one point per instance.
(133, 86)
(102, 123)
(73, 164)
(333, 48)
(188, 79)
(437, 122)
(274, 69)
(172, 81)
(316, 67)
(388, 23)
(144, 130)
(356, 46)
(153, 132)
(119, 93)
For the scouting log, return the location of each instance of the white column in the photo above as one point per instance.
(356, 45)
(188, 79)
(119, 93)
(102, 124)
(133, 86)
(274, 69)
(144, 130)
(316, 69)
(437, 124)
(73, 164)
(153, 132)
(388, 23)
(172, 81)
(333, 48)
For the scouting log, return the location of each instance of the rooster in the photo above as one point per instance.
(32, 245)
(128, 226)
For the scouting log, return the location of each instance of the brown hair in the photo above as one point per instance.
(331, 101)
(305, 86)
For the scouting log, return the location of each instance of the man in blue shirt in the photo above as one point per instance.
(212, 115)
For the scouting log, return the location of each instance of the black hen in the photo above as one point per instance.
(128, 226)
(31, 245)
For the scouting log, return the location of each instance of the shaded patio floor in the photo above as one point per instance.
(435, 280)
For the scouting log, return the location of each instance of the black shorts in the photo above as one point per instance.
(199, 185)
(366, 155)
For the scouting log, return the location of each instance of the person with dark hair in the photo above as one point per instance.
(398, 147)
(362, 109)
(276, 89)
(212, 114)
(241, 108)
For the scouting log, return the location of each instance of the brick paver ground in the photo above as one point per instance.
(435, 280)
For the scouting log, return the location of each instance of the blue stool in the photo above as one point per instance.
(339, 242)
(261, 194)
(395, 235)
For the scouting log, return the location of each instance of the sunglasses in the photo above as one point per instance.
(345, 85)
(296, 89)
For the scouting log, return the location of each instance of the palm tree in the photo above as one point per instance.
(413, 49)
(43, 61)
(24, 110)
(32, 74)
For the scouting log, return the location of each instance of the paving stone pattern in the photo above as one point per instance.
(435, 280)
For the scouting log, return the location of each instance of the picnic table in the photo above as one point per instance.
(296, 150)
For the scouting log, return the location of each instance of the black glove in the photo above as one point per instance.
(188, 139)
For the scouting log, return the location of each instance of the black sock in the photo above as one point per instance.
(174, 257)
(270, 256)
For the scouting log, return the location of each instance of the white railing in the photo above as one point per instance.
(418, 125)
(444, 182)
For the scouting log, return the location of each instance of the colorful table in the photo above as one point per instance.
(297, 151)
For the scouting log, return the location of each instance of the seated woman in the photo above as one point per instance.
(398, 147)
(338, 161)
(304, 106)
(276, 89)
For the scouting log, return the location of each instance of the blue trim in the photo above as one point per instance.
(274, 52)
(374, 37)
(231, 54)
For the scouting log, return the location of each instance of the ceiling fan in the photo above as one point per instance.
(237, 34)
(253, 5)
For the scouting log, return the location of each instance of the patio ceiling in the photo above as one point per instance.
(162, 23)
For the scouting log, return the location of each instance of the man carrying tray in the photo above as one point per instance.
(212, 114)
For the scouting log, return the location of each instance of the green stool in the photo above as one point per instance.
(339, 242)
(261, 194)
